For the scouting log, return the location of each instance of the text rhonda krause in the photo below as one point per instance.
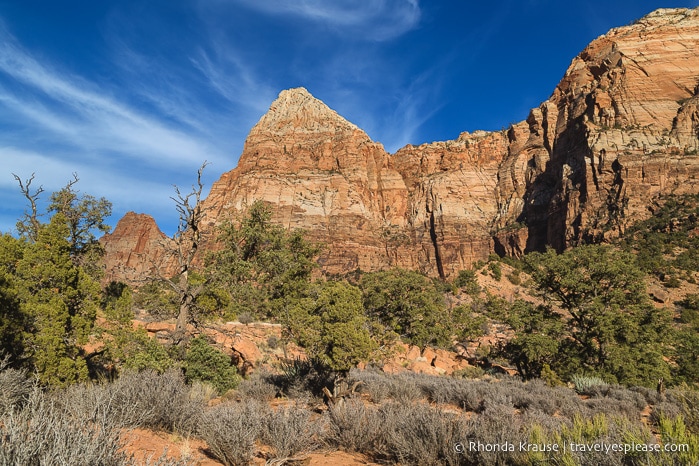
(577, 447)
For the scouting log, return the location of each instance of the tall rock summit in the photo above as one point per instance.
(621, 128)
(321, 173)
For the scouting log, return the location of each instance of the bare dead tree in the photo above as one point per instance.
(29, 225)
(186, 242)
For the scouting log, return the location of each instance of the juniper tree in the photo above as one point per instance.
(613, 329)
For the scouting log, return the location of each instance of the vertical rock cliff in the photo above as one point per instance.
(621, 128)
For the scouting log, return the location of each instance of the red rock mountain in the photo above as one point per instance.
(621, 128)
(136, 249)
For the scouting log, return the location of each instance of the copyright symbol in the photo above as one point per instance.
(459, 447)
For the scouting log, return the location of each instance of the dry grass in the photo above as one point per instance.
(411, 419)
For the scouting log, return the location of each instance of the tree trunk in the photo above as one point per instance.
(183, 315)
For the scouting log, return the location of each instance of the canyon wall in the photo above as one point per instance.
(621, 128)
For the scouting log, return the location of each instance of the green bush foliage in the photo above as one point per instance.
(409, 304)
(584, 384)
(60, 300)
(262, 267)
(663, 243)
(466, 280)
(205, 363)
(613, 331)
(331, 325)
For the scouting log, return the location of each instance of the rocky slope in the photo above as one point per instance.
(620, 128)
(136, 249)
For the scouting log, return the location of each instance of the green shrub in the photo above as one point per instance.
(409, 304)
(205, 363)
(332, 326)
(514, 277)
(584, 384)
(138, 351)
(495, 270)
(245, 318)
(466, 280)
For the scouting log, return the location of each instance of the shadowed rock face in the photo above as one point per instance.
(620, 128)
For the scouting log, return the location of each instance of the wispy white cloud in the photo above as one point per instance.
(68, 105)
(206, 86)
(375, 19)
(56, 122)
(232, 78)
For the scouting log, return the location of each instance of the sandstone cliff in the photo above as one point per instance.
(620, 128)
(321, 173)
(136, 249)
(626, 129)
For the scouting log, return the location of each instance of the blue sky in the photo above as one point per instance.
(133, 96)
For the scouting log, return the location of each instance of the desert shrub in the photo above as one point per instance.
(381, 386)
(688, 401)
(202, 391)
(291, 433)
(470, 372)
(43, 432)
(353, 426)
(611, 408)
(231, 430)
(620, 394)
(273, 342)
(205, 363)
(258, 387)
(301, 378)
(497, 424)
(15, 387)
(419, 435)
(584, 383)
(537, 396)
(442, 390)
(598, 429)
(650, 396)
(158, 401)
(665, 409)
(675, 431)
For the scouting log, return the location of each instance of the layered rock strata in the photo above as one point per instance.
(621, 128)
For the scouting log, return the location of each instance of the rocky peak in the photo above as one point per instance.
(297, 111)
(626, 131)
(621, 128)
(301, 132)
(136, 249)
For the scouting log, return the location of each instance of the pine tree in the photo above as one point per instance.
(61, 300)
